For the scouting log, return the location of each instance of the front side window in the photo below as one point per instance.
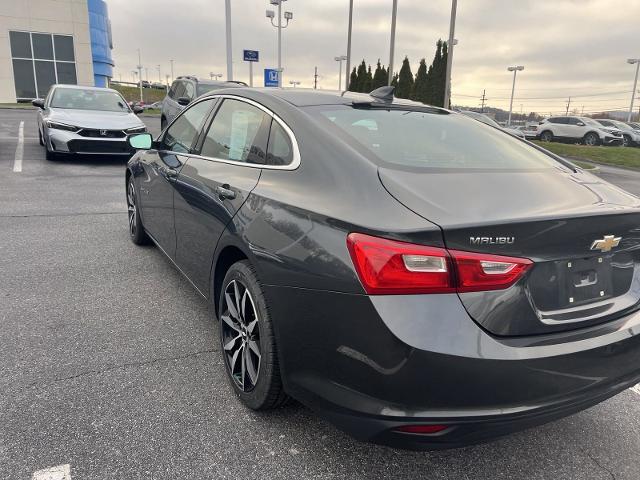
(235, 133)
(420, 139)
(40, 60)
(89, 99)
(183, 131)
(179, 92)
(188, 90)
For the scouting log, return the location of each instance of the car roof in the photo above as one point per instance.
(302, 97)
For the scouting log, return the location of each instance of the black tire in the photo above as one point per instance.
(592, 139)
(40, 138)
(546, 136)
(626, 141)
(51, 156)
(263, 391)
(136, 229)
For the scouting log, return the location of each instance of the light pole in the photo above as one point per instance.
(393, 39)
(140, 74)
(159, 76)
(215, 75)
(348, 71)
(288, 17)
(339, 60)
(633, 61)
(133, 75)
(172, 77)
(515, 70)
(294, 83)
(167, 79)
(452, 28)
(227, 9)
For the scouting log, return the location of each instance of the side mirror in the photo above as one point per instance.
(580, 124)
(184, 101)
(38, 102)
(140, 141)
(138, 109)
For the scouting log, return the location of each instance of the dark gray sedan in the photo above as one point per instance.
(85, 120)
(418, 278)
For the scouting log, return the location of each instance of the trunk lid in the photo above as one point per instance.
(551, 216)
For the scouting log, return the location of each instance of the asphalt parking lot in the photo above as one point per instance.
(109, 360)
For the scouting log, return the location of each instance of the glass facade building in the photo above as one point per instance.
(101, 42)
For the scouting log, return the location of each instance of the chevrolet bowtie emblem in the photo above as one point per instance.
(606, 244)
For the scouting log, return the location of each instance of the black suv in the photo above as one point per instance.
(184, 90)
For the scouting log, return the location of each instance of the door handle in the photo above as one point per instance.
(225, 192)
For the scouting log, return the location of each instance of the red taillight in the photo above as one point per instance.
(422, 429)
(391, 267)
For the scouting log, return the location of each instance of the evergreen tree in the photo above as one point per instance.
(405, 80)
(420, 85)
(379, 77)
(353, 81)
(385, 76)
(442, 79)
(362, 77)
(368, 81)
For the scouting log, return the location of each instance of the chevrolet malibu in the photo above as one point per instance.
(416, 277)
(85, 120)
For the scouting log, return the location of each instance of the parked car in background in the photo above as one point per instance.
(417, 278)
(158, 86)
(145, 84)
(578, 129)
(530, 131)
(85, 120)
(481, 117)
(154, 106)
(630, 136)
(184, 90)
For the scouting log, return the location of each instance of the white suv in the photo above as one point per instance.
(578, 129)
(630, 135)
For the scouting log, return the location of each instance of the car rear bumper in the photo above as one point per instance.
(372, 364)
(70, 142)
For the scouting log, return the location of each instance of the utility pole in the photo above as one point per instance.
(568, 103)
(315, 78)
(339, 60)
(392, 43)
(140, 74)
(159, 76)
(348, 72)
(227, 9)
(484, 99)
(452, 28)
(582, 114)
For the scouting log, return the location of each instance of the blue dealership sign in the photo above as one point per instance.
(251, 55)
(271, 77)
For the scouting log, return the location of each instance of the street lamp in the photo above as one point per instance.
(633, 61)
(294, 83)
(215, 75)
(159, 76)
(515, 70)
(140, 74)
(340, 59)
(227, 9)
(288, 16)
(392, 43)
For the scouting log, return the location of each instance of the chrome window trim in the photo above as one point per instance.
(295, 162)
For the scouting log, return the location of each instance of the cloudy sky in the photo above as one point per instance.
(574, 48)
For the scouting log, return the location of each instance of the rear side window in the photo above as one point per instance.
(189, 90)
(422, 139)
(279, 151)
(179, 90)
(172, 91)
(237, 133)
(183, 131)
(203, 88)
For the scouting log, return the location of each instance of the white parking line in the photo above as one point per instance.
(636, 389)
(60, 472)
(17, 161)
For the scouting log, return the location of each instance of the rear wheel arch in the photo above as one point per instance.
(228, 255)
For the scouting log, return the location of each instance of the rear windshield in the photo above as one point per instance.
(420, 139)
(80, 99)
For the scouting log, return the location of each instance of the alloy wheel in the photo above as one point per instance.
(241, 335)
(591, 140)
(131, 207)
